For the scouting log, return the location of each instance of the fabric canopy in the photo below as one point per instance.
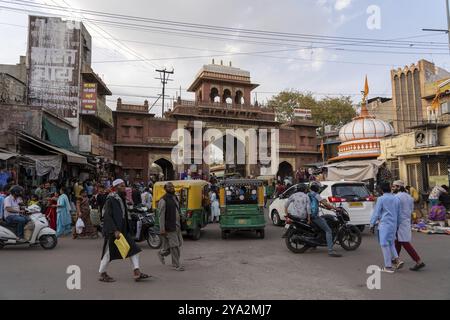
(56, 135)
(72, 157)
(47, 165)
(353, 170)
(7, 155)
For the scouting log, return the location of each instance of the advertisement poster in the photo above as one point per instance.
(54, 65)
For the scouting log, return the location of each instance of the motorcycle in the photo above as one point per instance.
(36, 232)
(142, 224)
(301, 236)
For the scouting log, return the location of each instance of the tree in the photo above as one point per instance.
(286, 101)
(333, 111)
(328, 111)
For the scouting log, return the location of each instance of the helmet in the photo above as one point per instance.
(315, 186)
(16, 191)
(302, 188)
(316, 183)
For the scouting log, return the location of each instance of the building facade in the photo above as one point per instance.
(422, 156)
(223, 103)
(409, 92)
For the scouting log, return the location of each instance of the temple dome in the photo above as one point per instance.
(365, 127)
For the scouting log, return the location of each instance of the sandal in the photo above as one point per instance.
(106, 278)
(142, 276)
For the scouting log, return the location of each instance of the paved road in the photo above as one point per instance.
(241, 267)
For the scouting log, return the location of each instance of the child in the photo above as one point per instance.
(34, 200)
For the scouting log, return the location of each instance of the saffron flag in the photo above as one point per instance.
(366, 89)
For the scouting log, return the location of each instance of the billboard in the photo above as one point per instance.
(54, 65)
(89, 98)
(302, 113)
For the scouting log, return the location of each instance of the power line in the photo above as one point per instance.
(275, 35)
(128, 49)
(211, 27)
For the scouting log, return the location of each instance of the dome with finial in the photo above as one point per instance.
(365, 127)
(361, 137)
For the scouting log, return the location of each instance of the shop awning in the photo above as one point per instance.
(425, 151)
(72, 157)
(56, 135)
(7, 155)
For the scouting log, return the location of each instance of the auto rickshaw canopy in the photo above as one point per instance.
(194, 188)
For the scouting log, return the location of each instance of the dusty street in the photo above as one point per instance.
(241, 267)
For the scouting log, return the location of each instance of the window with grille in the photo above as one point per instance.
(437, 172)
(415, 176)
(394, 169)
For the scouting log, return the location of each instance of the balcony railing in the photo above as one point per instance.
(220, 105)
(102, 112)
(97, 146)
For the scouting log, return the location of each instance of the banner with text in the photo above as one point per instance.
(89, 98)
(54, 65)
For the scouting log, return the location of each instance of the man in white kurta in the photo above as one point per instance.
(404, 224)
(385, 214)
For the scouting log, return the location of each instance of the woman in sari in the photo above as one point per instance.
(84, 212)
(64, 219)
(50, 211)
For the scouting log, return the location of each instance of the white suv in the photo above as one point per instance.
(353, 196)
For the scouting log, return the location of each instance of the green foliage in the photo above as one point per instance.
(328, 111)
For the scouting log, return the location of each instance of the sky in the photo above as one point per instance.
(309, 67)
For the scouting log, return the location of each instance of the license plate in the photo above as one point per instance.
(355, 204)
(242, 221)
(286, 226)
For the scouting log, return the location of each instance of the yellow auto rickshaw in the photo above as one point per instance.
(194, 204)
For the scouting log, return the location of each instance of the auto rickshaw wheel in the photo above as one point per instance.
(261, 233)
(196, 234)
(225, 234)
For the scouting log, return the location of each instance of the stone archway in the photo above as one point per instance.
(227, 97)
(232, 161)
(214, 95)
(239, 98)
(166, 168)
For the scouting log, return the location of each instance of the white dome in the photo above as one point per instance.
(365, 128)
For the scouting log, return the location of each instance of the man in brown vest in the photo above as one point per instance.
(170, 227)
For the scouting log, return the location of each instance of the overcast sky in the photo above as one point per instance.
(321, 71)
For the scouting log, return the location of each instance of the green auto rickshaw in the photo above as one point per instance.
(194, 204)
(242, 206)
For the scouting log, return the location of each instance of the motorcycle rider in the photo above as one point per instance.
(12, 212)
(316, 201)
(301, 203)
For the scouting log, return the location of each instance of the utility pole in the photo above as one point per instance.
(447, 7)
(164, 76)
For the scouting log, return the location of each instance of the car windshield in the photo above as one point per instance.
(351, 191)
(241, 194)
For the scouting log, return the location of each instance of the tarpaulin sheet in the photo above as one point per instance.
(47, 165)
(353, 170)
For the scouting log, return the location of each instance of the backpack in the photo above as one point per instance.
(314, 204)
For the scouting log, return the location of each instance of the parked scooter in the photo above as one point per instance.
(37, 231)
(142, 224)
(301, 236)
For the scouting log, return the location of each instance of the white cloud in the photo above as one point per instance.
(316, 58)
(342, 4)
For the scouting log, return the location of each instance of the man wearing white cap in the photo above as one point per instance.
(404, 224)
(115, 224)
